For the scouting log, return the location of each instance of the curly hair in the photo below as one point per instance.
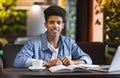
(55, 10)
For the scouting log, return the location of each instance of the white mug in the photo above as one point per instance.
(37, 63)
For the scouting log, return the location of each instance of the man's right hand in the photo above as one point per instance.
(53, 63)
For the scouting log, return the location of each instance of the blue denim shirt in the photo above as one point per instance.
(37, 48)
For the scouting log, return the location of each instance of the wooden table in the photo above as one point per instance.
(26, 73)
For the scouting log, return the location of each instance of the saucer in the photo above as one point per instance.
(36, 68)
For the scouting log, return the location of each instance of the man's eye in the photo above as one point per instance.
(59, 22)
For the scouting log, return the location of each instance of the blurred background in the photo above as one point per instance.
(87, 20)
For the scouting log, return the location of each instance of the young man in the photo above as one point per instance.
(52, 47)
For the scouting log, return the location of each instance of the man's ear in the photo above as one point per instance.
(63, 25)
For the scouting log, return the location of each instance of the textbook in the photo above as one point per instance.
(71, 68)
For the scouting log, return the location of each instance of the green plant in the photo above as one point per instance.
(12, 22)
(111, 10)
(71, 18)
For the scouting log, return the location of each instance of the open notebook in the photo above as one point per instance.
(115, 64)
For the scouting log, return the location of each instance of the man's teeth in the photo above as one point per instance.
(55, 30)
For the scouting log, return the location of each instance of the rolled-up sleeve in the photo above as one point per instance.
(25, 53)
(78, 53)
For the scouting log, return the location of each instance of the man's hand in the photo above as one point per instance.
(53, 63)
(66, 61)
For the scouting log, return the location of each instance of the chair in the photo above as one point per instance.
(9, 54)
(96, 50)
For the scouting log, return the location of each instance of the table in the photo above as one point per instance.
(26, 73)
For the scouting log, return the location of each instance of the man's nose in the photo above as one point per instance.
(55, 24)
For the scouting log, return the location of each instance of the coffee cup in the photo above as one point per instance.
(37, 63)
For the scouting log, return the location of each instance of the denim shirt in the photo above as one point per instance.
(37, 48)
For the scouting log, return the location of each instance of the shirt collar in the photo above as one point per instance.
(44, 41)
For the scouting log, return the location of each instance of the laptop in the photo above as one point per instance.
(115, 64)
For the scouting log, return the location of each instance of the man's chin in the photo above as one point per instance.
(56, 35)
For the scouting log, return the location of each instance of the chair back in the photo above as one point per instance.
(96, 50)
(9, 53)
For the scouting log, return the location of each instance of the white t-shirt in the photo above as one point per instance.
(54, 50)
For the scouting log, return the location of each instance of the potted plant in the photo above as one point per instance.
(111, 11)
(12, 22)
(112, 23)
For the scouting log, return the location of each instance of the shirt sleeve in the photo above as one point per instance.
(29, 62)
(78, 53)
(22, 57)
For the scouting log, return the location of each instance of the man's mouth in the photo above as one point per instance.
(55, 30)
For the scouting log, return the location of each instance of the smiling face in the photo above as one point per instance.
(54, 26)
